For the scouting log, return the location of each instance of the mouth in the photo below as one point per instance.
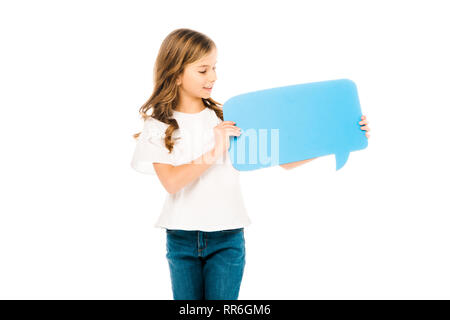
(208, 89)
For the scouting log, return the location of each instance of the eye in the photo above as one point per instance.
(205, 70)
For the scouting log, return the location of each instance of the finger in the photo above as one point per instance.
(232, 132)
(228, 122)
(364, 122)
(231, 126)
(367, 135)
(363, 117)
(235, 132)
(365, 128)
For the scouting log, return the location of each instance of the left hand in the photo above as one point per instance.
(365, 127)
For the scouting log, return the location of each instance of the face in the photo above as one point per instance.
(199, 75)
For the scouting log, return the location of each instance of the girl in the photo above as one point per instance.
(184, 142)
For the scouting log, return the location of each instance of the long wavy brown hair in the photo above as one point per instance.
(181, 47)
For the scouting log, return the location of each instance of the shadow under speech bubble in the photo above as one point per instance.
(296, 122)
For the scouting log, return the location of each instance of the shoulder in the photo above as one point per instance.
(155, 123)
(153, 128)
(213, 116)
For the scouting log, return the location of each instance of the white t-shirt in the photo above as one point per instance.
(213, 201)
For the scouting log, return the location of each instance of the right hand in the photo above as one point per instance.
(222, 133)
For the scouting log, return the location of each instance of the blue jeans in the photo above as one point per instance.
(206, 265)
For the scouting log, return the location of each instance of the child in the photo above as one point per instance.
(185, 142)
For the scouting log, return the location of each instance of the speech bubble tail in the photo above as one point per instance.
(341, 159)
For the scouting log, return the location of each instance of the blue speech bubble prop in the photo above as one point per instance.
(296, 122)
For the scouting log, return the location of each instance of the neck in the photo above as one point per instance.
(190, 104)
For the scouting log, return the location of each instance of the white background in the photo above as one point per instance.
(77, 222)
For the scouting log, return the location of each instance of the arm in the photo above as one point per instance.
(292, 165)
(174, 178)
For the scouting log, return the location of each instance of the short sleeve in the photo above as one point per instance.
(150, 147)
